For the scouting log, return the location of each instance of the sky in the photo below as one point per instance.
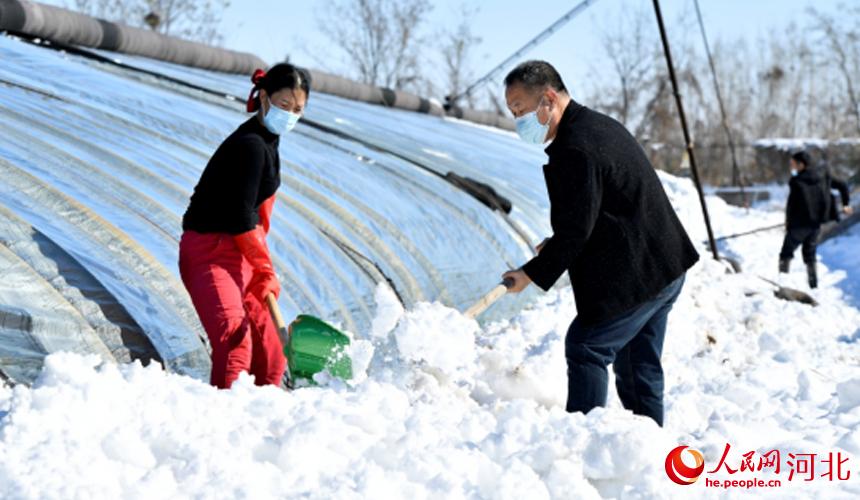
(275, 29)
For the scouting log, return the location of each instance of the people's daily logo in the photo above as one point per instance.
(680, 472)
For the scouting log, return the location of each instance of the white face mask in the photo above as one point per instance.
(279, 121)
(529, 127)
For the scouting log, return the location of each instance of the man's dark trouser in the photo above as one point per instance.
(633, 343)
(794, 237)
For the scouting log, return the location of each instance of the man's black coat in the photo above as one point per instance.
(614, 229)
(810, 203)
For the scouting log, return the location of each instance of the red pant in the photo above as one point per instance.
(240, 329)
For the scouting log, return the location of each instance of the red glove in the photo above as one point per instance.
(252, 244)
(265, 212)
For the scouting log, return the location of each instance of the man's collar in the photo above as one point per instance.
(567, 117)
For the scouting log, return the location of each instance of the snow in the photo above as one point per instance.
(389, 310)
(422, 331)
(844, 252)
(797, 143)
(489, 128)
(849, 394)
(790, 144)
(445, 407)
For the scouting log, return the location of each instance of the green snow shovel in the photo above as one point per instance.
(311, 345)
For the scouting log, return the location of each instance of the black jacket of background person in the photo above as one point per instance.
(243, 172)
(614, 230)
(809, 200)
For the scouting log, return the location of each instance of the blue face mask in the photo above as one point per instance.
(279, 121)
(530, 129)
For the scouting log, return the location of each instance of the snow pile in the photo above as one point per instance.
(849, 394)
(389, 310)
(126, 432)
(447, 408)
(437, 335)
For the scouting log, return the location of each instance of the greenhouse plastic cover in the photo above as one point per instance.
(98, 163)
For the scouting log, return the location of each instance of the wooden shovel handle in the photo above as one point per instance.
(487, 300)
(283, 332)
(272, 302)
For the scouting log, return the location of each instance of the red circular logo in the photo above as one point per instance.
(680, 472)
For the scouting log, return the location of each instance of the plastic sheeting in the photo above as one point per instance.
(73, 29)
(98, 163)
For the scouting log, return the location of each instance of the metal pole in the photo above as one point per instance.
(753, 231)
(683, 118)
(736, 172)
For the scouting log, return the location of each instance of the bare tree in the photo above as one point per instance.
(380, 38)
(639, 93)
(197, 20)
(630, 47)
(787, 83)
(638, 88)
(111, 10)
(457, 49)
(841, 44)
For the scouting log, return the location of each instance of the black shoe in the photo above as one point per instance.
(783, 265)
(812, 275)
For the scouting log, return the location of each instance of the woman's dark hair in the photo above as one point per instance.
(280, 76)
(801, 157)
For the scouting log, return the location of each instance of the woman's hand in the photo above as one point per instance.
(263, 283)
(520, 280)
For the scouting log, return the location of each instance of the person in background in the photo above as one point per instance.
(840, 186)
(223, 257)
(614, 232)
(809, 205)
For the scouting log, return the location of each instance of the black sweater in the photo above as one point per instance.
(243, 172)
(614, 230)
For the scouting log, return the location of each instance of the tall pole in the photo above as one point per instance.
(689, 143)
(736, 172)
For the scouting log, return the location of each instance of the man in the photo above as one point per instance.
(809, 205)
(616, 234)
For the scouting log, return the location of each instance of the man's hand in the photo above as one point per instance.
(541, 245)
(520, 278)
(848, 210)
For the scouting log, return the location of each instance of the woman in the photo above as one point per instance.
(223, 258)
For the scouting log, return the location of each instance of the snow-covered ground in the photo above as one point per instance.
(447, 408)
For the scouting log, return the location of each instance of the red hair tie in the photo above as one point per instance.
(252, 105)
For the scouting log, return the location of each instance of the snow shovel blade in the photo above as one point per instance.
(315, 346)
(786, 293)
(311, 346)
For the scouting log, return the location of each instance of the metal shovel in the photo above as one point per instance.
(786, 293)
